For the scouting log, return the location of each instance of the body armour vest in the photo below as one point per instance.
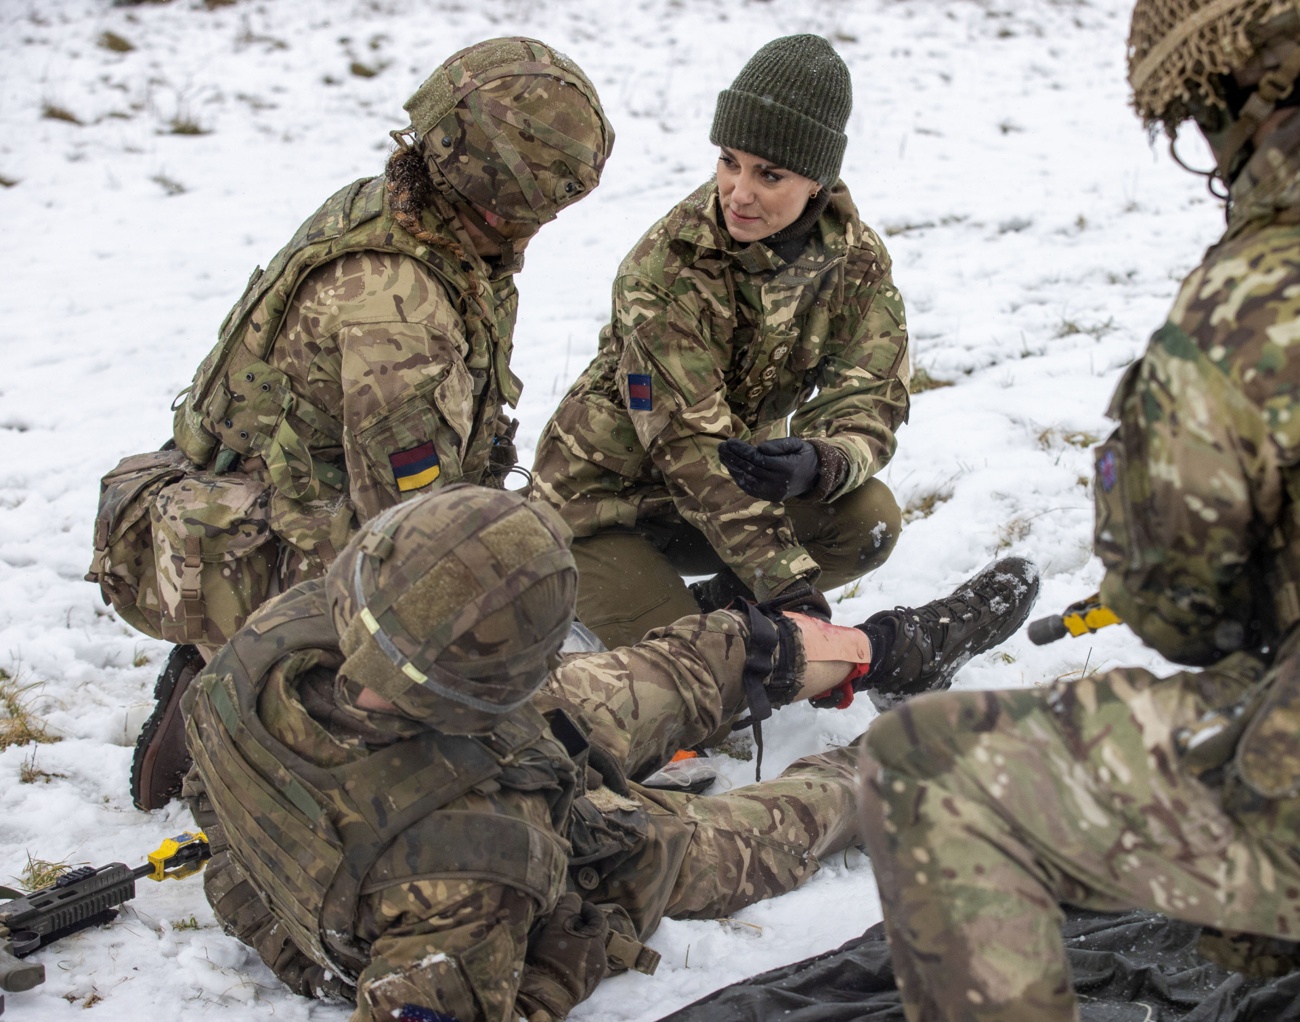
(239, 405)
(315, 839)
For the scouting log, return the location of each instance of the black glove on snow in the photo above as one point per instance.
(775, 470)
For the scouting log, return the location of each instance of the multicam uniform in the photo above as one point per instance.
(369, 366)
(321, 834)
(710, 339)
(1178, 795)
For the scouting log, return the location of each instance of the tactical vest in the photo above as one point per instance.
(239, 405)
(313, 840)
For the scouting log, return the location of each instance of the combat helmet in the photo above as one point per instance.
(452, 605)
(1182, 58)
(512, 127)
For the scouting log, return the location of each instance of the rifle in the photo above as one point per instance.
(1081, 618)
(80, 899)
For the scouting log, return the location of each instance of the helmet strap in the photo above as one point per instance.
(1275, 86)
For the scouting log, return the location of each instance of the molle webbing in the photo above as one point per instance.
(314, 840)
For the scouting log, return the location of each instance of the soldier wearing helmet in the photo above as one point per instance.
(1181, 795)
(367, 364)
(412, 805)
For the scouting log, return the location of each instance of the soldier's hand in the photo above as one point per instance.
(566, 959)
(775, 470)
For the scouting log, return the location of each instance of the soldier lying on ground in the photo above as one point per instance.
(760, 298)
(982, 811)
(407, 809)
(368, 363)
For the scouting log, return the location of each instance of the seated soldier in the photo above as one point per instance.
(408, 806)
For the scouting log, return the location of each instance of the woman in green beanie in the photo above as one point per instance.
(748, 387)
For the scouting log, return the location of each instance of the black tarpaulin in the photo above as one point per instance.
(1137, 967)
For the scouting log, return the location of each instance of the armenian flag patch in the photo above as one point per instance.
(638, 392)
(415, 468)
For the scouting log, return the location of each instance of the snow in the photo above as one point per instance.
(1037, 239)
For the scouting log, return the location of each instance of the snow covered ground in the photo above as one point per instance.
(1036, 237)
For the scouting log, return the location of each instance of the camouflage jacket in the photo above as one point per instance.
(1197, 489)
(440, 923)
(361, 367)
(710, 340)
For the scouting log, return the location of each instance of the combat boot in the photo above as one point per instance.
(920, 649)
(161, 759)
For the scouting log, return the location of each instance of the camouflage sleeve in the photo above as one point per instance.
(670, 691)
(407, 395)
(669, 344)
(453, 947)
(1186, 488)
(862, 380)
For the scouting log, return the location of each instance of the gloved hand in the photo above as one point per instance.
(775, 470)
(566, 959)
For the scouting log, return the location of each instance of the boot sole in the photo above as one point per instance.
(165, 727)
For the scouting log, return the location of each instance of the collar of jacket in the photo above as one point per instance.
(696, 221)
(453, 230)
(1268, 188)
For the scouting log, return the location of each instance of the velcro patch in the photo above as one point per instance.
(419, 1013)
(1107, 471)
(414, 468)
(638, 392)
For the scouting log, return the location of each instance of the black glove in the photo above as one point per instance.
(775, 470)
(566, 959)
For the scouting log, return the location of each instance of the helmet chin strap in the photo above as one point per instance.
(1275, 86)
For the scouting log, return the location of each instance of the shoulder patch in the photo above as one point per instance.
(415, 467)
(639, 398)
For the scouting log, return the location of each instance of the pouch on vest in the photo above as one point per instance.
(123, 563)
(1268, 756)
(215, 561)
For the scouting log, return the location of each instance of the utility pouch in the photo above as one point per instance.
(123, 563)
(1268, 756)
(215, 561)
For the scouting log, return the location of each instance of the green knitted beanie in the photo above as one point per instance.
(789, 105)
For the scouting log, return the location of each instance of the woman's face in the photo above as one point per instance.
(758, 199)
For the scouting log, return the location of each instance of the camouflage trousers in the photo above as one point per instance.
(630, 580)
(984, 810)
(685, 856)
(700, 856)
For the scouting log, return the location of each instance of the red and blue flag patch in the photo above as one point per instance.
(1107, 471)
(415, 467)
(638, 392)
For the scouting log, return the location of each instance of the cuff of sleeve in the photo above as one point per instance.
(833, 470)
(792, 565)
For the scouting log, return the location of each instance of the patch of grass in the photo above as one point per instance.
(92, 999)
(30, 773)
(116, 43)
(184, 124)
(187, 924)
(18, 725)
(1054, 436)
(1004, 657)
(923, 505)
(7, 182)
(849, 592)
(172, 187)
(361, 70)
(1071, 327)
(1013, 531)
(39, 873)
(141, 658)
(54, 112)
(923, 381)
(894, 230)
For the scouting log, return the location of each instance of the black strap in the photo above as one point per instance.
(764, 638)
